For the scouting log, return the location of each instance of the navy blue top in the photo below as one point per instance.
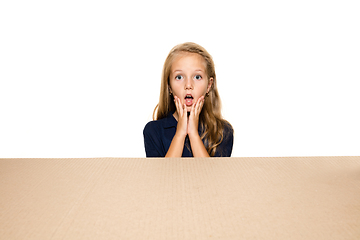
(159, 134)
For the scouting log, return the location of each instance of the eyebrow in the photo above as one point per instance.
(197, 70)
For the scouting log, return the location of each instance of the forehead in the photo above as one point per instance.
(188, 61)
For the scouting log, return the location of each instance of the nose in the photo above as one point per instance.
(188, 84)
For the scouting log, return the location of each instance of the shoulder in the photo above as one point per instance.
(167, 122)
(153, 139)
(226, 144)
(153, 126)
(158, 125)
(228, 129)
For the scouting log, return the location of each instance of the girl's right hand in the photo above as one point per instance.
(182, 117)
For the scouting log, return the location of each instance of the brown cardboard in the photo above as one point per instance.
(225, 198)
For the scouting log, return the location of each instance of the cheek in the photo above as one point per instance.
(176, 88)
(202, 87)
(173, 85)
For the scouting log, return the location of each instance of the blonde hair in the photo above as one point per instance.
(211, 122)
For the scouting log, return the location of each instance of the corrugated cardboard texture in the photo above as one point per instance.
(225, 198)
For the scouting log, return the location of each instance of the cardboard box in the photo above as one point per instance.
(210, 198)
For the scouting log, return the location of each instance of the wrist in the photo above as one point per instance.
(197, 146)
(193, 134)
(180, 135)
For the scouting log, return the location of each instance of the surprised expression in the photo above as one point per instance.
(188, 78)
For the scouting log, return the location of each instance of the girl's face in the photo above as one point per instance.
(188, 78)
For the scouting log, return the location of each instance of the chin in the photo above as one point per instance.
(188, 109)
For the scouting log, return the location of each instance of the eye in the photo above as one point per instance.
(179, 77)
(198, 77)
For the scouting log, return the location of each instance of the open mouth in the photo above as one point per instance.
(189, 99)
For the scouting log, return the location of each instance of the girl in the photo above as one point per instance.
(187, 120)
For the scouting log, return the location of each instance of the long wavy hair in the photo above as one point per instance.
(212, 124)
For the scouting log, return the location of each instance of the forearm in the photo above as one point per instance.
(176, 146)
(197, 146)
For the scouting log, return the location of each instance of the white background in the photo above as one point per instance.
(81, 78)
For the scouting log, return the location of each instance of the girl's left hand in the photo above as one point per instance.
(194, 116)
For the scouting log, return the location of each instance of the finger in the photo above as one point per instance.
(178, 106)
(181, 106)
(194, 107)
(184, 110)
(199, 105)
(192, 110)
